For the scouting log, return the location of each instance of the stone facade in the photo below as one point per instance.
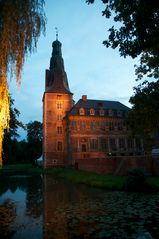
(89, 129)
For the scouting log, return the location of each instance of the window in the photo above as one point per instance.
(130, 143)
(119, 113)
(121, 143)
(59, 117)
(101, 112)
(93, 144)
(59, 105)
(92, 111)
(82, 126)
(120, 126)
(93, 126)
(112, 144)
(102, 126)
(111, 126)
(59, 97)
(84, 148)
(138, 143)
(81, 111)
(103, 144)
(59, 130)
(59, 146)
(110, 113)
(73, 125)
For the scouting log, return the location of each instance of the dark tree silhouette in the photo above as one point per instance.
(137, 32)
(34, 139)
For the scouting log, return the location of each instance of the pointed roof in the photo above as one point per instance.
(56, 77)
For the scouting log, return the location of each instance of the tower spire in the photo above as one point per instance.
(56, 29)
(56, 79)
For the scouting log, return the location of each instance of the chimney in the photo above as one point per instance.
(84, 97)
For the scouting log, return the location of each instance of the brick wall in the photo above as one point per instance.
(116, 165)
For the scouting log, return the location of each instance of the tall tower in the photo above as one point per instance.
(57, 101)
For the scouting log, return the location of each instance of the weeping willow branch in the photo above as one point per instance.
(21, 23)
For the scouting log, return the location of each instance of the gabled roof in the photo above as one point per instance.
(97, 105)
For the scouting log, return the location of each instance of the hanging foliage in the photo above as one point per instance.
(21, 22)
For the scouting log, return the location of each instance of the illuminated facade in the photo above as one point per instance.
(57, 100)
(87, 129)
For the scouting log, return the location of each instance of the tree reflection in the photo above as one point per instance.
(34, 197)
(7, 218)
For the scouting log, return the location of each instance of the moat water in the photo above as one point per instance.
(43, 207)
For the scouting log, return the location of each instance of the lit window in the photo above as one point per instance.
(59, 146)
(59, 105)
(59, 117)
(81, 111)
(59, 130)
(92, 112)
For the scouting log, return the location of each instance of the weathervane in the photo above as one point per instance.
(56, 33)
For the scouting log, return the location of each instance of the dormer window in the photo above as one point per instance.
(92, 111)
(101, 112)
(119, 113)
(110, 113)
(81, 111)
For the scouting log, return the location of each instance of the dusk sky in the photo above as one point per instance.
(92, 69)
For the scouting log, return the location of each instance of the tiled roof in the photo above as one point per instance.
(106, 105)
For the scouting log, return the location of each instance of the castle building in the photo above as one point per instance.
(86, 129)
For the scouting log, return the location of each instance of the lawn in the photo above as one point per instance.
(77, 176)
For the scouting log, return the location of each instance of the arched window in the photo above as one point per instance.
(92, 111)
(81, 111)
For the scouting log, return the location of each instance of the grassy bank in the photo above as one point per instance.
(93, 179)
(77, 176)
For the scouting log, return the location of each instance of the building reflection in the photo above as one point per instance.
(65, 210)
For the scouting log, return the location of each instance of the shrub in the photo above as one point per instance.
(136, 180)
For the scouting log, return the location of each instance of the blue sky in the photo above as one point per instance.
(91, 68)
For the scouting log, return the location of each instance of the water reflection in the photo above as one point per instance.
(25, 193)
(78, 212)
(51, 209)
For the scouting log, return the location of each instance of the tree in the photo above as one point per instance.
(144, 116)
(137, 32)
(21, 22)
(34, 139)
(10, 142)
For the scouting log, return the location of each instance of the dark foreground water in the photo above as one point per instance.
(33, 207)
